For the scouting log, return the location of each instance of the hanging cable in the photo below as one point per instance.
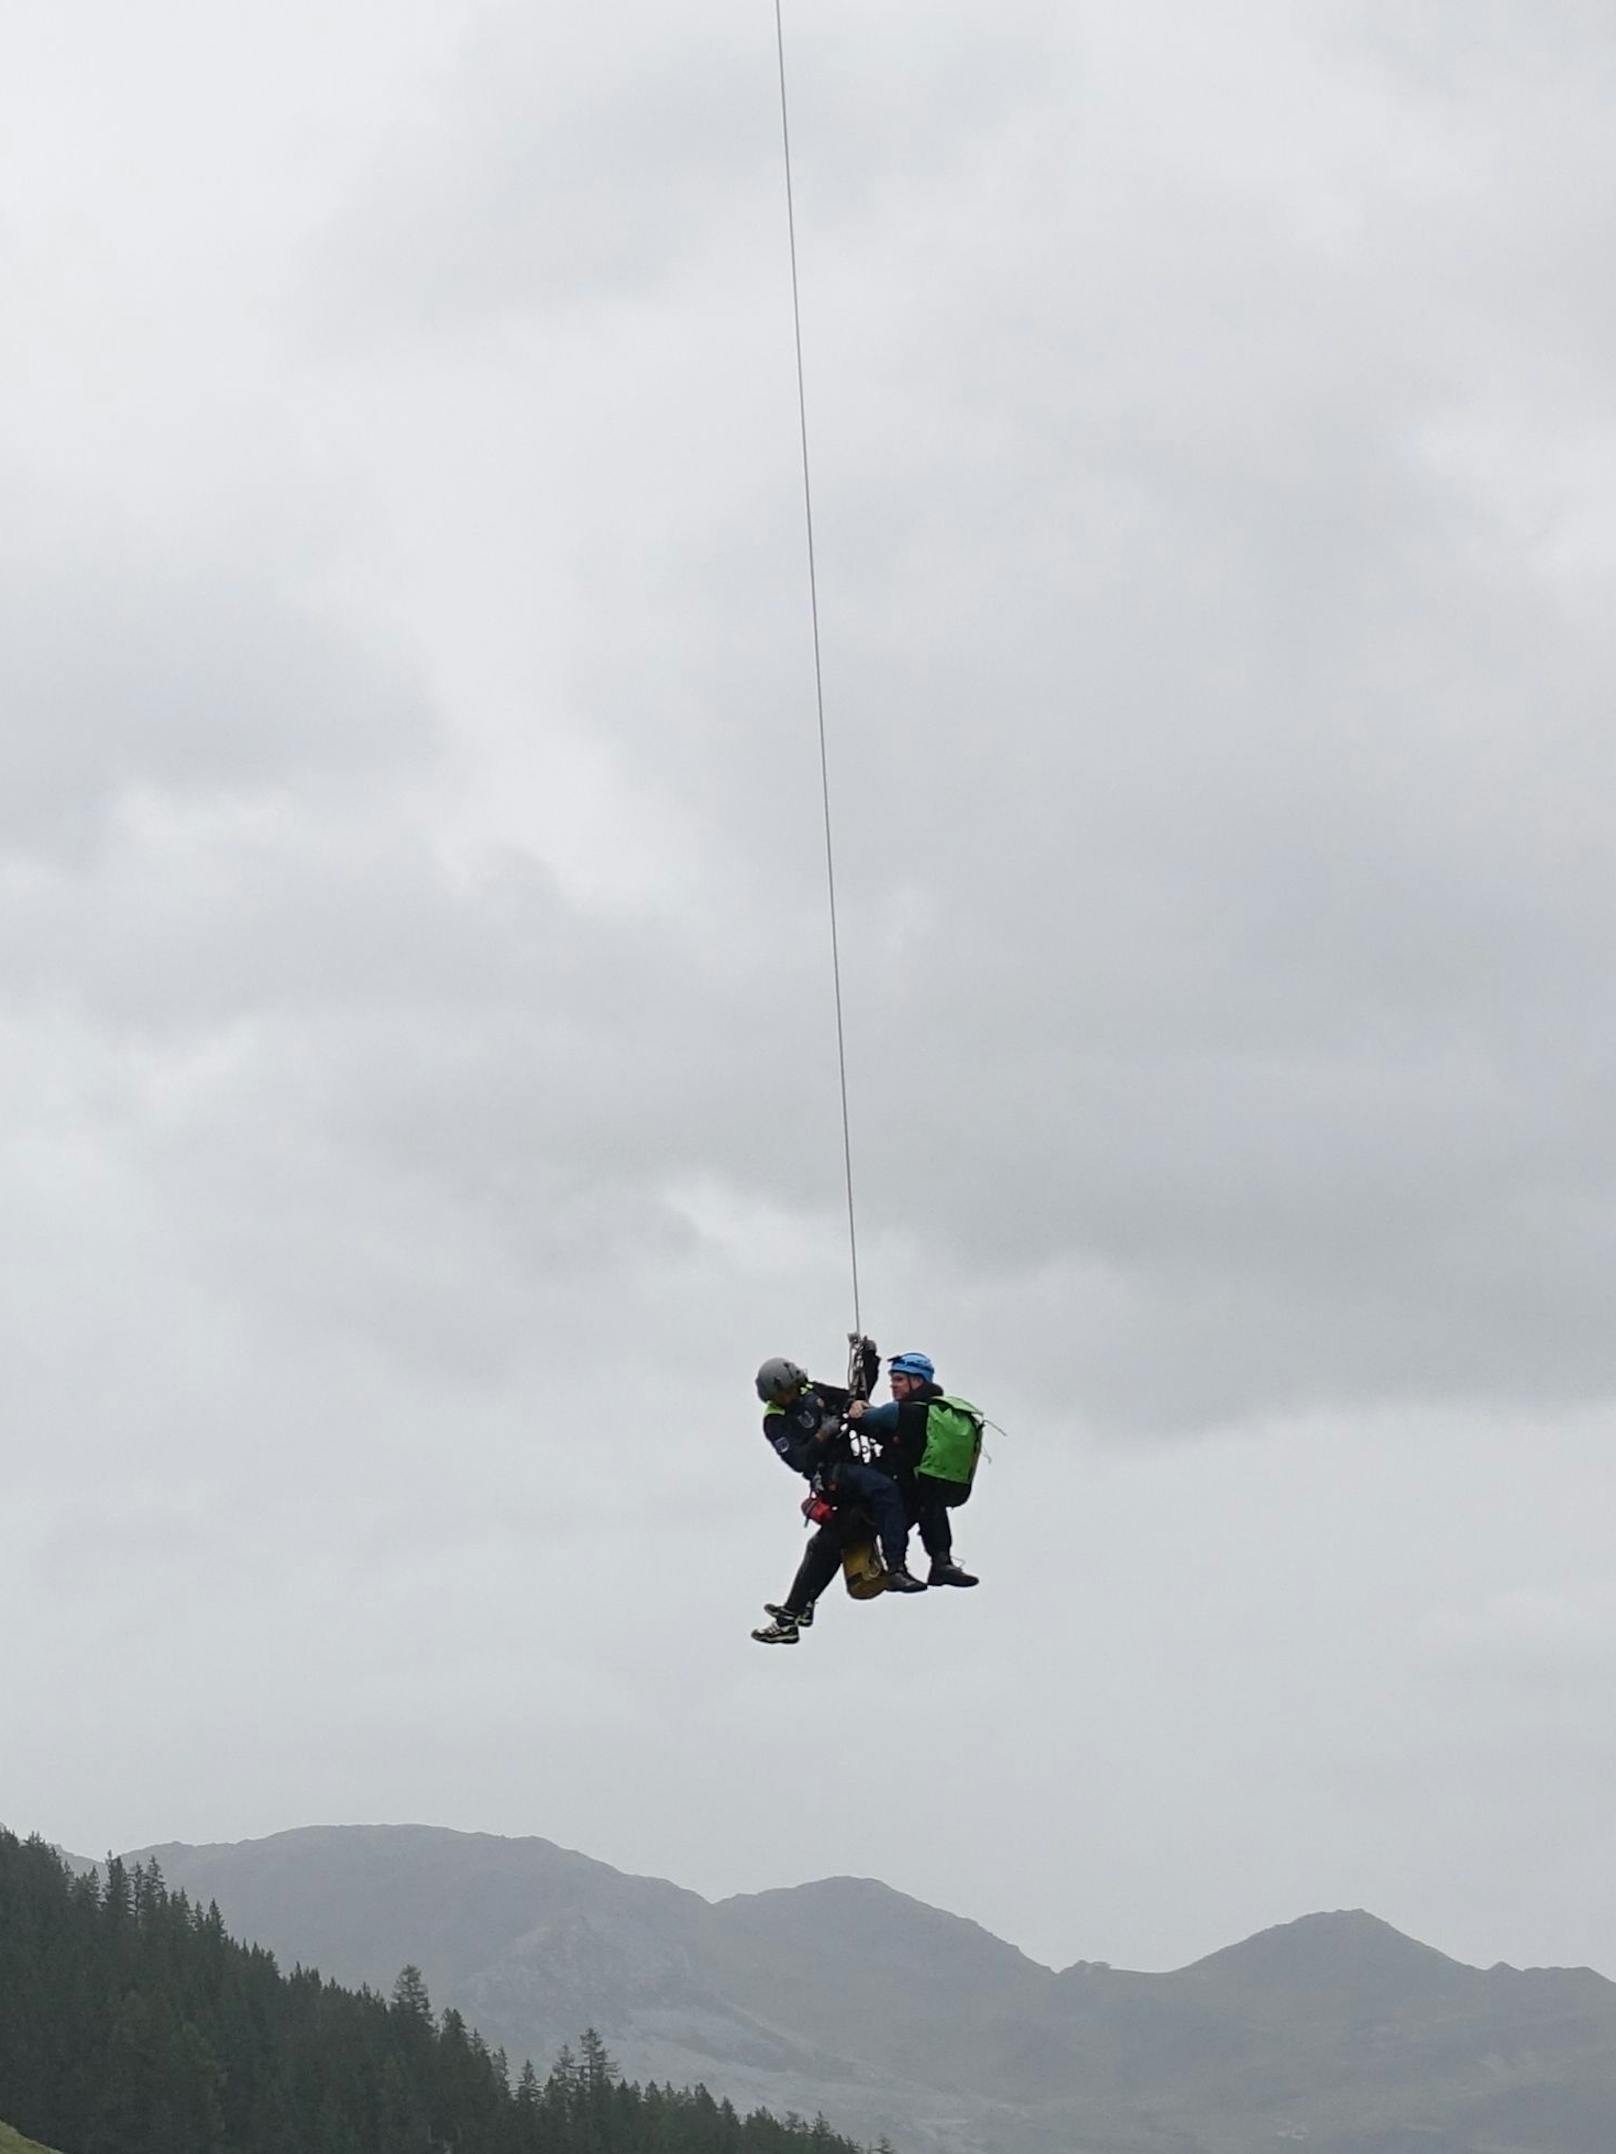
(819, 677)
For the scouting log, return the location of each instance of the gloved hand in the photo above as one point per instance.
(869, 1356)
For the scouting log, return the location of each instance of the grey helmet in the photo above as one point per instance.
(779, 1379)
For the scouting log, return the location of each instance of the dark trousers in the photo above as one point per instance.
(872, 1507)
(924, 1507)
(875, 1492)
(822, 1559)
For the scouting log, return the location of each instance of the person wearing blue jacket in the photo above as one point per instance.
(901, 1430)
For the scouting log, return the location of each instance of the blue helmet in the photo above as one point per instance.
(920, 1365)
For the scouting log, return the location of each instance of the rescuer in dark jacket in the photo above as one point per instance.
(901, 1429)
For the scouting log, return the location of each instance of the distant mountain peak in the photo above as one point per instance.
(877, 1920)
(1345, 1946)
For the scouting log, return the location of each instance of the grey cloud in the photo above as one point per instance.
(367, 1102)
(550, 172)
(1235, 828)
(572, 160)
(198, 679)
(1209, 918)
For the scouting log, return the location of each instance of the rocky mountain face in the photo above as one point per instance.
(1330, 2035)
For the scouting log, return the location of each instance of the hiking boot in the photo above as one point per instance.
(803, 1621)
(950, 1574)
(902, 1581)
(778, 1633)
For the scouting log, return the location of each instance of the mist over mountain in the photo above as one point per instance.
(1334, 2032)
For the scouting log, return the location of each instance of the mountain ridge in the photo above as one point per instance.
(1342, 1921)
(895, 2017)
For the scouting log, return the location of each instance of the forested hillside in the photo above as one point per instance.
(131, 2023)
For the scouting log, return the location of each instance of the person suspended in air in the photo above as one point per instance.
(806, 1425)
(930, 1443)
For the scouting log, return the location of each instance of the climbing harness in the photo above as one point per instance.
(819, 676)
(860, 1351)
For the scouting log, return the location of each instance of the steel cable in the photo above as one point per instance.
(819, 676)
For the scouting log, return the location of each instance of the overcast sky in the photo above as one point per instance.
(418, 1085)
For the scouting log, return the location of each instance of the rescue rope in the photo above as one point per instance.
(819, 677)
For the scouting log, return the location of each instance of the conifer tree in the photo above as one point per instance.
(132, 2023)
(410, 1999)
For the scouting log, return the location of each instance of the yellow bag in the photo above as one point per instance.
(861, 1568)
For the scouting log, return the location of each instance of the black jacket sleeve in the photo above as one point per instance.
(808, 1434)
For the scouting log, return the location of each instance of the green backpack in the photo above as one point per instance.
(953, 1446)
